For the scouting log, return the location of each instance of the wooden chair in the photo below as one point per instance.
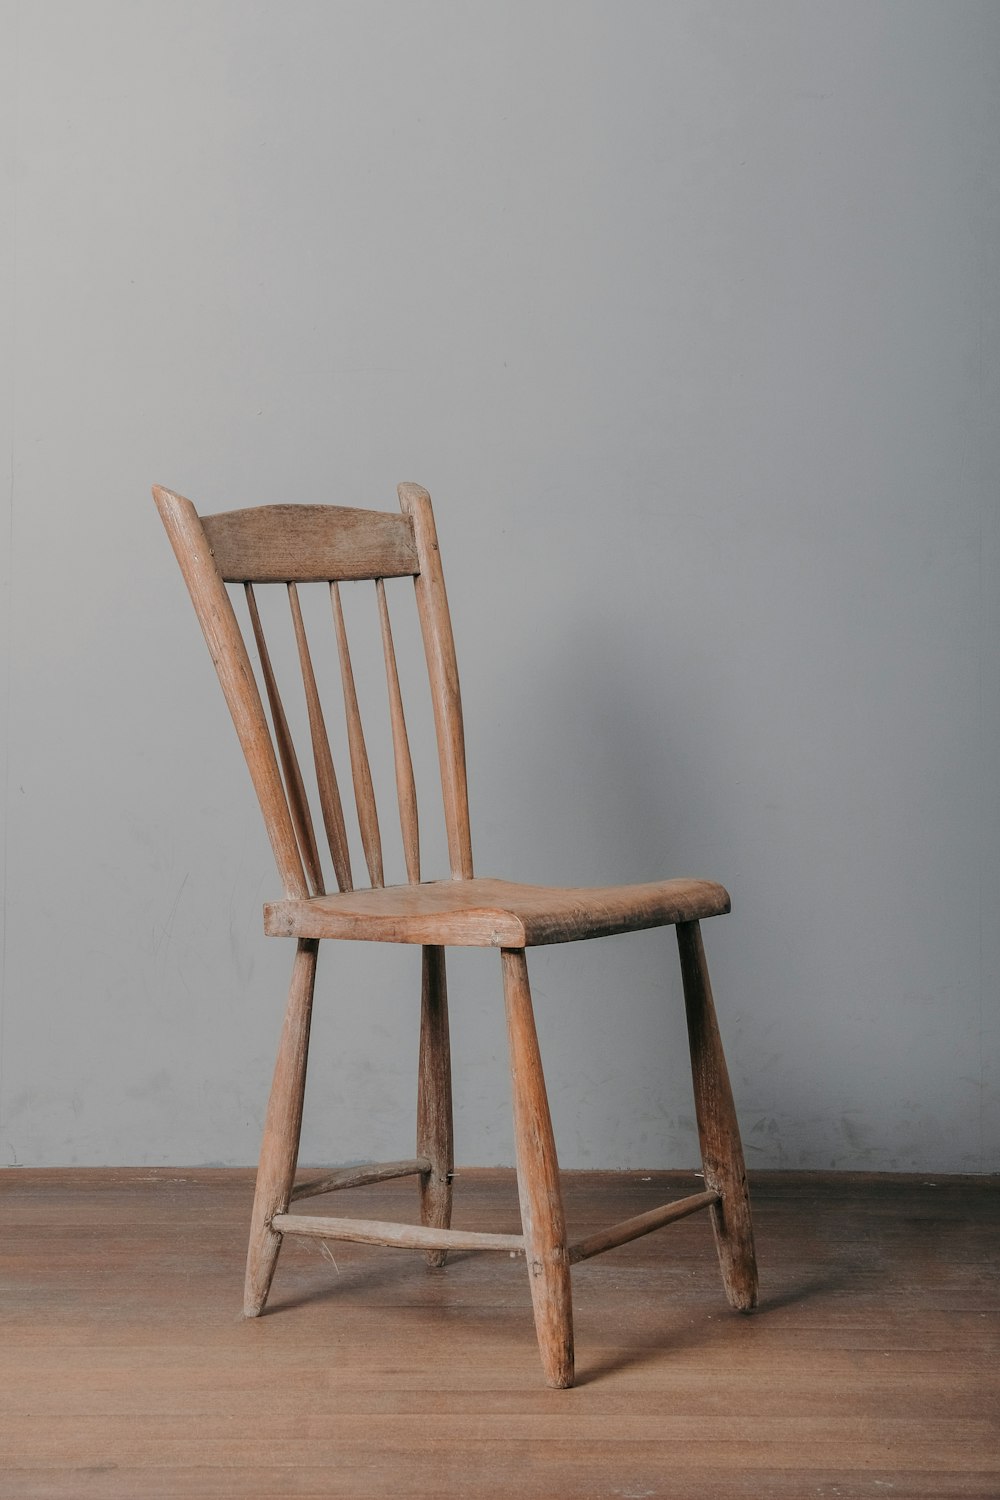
(299, 544)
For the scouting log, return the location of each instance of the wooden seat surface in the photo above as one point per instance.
(486, 913)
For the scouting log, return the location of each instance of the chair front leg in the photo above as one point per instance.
(718, 1129)
(279, 1150)
(542, 1218)
(434, 1113)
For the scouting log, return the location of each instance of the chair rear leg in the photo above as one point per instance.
(282, 1127)
(434, 1113)
(718, 1129)
(542, 1218)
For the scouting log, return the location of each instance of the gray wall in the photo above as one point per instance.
(686, 314)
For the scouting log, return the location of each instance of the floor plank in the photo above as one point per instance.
(871, 1368)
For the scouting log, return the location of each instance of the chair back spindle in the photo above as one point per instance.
(326, 777)
(298, 801)
(364, 792)
(406, 791)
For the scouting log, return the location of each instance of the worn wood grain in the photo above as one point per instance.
(310, 544)
(364, 791)
(542, 1219)
(326, 776)
(494, 913)
(442, 667)
(351, 1177)
(627, 1230)
(232, 663)
(435, 1138)
(298, 801)
(384, 1233)
(282, 1127)
(718, 1127)
(406, 791)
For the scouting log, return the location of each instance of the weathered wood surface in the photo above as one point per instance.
(872, 1368)
(494, 913)
(310, 544)
(326, 777)
(442, 668)
(627, 1230)
(435, 1129)
(718, 1127)
(232, 663)
(386, 1233)
(542, 1219)
(364, 791)
(364, 1176)
(406, 791)
(295, 789)
(282, 1127)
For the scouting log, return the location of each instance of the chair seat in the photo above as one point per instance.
(483, 913)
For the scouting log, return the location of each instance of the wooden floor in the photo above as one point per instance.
(872, 1367)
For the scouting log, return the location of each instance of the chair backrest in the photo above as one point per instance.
(328, 545)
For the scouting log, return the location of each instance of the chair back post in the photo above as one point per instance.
(235, 672)
(442, 669)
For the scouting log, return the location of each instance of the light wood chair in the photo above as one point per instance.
(327, 545)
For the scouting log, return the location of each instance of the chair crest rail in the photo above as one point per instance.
(311, 544)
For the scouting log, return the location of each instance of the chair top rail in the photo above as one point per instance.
(311, 544)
